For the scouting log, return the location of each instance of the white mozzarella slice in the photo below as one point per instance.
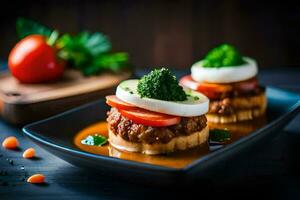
(226, 74)
(195, 105)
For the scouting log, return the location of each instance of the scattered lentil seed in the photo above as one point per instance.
(10, 142)
(36, 179)
(29, 153)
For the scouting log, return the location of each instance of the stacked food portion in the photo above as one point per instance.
(229, 81)
(156, 115)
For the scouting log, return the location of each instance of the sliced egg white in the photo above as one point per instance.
(226, 74)
(195, 105)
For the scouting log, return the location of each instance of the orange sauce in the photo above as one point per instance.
(176, 160)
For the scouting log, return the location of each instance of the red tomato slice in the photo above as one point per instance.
(187, 81)
(141, 116)
(247, 85)
(211, 90)
(217, 91)
(114, 101)
(149, 118)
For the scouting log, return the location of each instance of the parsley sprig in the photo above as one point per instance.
(94, 140)
(219, 135)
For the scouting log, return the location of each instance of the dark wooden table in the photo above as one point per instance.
(271, 171)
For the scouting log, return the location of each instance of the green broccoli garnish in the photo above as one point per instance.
(222, 56)
(161, 84)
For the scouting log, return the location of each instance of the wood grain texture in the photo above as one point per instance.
(23, 103)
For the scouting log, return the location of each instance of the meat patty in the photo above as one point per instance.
(228, 106)
(139, 133)
(238, 93)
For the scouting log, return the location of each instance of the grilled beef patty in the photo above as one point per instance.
(230, 105)
(139, 133)
(236, 93)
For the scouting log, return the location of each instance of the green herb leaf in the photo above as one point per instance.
(73, 50)
(53, 38)
(27, 27)
(161, 84)
(94, 140)
(91, 44)
(89, 53)
(111, 61)
(222, 56)
(219, 135)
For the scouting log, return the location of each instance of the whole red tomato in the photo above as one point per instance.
(32, 60)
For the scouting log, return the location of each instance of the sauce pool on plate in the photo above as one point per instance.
(178, 159)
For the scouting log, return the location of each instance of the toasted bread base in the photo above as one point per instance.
(240, 115)
(243, 110)
(177, 143)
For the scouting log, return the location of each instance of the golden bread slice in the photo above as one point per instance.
(239, 115)
(177, 143)
(245, 108)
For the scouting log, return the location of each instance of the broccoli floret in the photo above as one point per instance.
(222, 56)
(161, 84)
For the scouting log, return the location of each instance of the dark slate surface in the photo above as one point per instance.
(271, 171)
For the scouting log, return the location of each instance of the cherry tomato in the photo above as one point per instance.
(149, 118)
(32, 60)
(114, 101)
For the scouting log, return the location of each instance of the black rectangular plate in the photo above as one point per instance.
(56, 135)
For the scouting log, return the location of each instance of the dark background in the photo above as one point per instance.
(171, 33)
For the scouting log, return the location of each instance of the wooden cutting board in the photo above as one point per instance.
(24, 103)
